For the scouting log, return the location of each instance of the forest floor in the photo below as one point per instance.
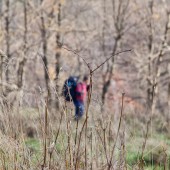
(153, 143)
(139, 143)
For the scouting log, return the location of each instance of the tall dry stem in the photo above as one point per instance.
(120, 121)
(45, 134)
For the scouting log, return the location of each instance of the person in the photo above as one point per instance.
(81, 93)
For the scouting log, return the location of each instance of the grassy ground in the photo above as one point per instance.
(153, 156)
(35, 140)
(156, 152)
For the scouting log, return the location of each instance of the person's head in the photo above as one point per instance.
(85, 79)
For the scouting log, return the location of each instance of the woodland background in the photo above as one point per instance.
(43, 42)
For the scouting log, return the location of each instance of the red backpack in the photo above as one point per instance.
(81, 91)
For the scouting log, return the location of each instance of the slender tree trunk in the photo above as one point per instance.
(44, 48)
(105, 85)
(7, 36)
(150, 46)
(58, 55)
(158, 64)
(119, 18)
(23, 60)
(168, 115)
(108, 78)
(1, 73)
(0, 6)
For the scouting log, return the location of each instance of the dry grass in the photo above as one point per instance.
(42, 139)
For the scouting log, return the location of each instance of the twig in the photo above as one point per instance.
(45, 134)
(93, 70)
(68, 49)
(55, 141)
(110, 58)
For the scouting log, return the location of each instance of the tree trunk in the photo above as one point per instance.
(57, 56)
(1, 73)
(158, 64)
(0, 6)
(7, 36)
(44, 48)
(23, 60)
(150, 46)
(119, 18)
(168, 115)
(107, 80)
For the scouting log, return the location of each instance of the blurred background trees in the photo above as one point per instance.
(32, 34)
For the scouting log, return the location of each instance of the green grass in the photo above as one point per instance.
(33, 144)
(158, 143)
(154, 146)
(156, 149)
(35, 149)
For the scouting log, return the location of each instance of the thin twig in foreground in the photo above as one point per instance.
(110, 58)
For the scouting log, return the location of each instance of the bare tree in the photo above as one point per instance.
(159, 60)
(150, 48)
(58, 54)
(22, 62)
(0, 6)
(155, 58)
(7, 22)
(152, 55)
(120, 9)
(44, 49)
(2, 56)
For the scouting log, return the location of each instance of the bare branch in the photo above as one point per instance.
(130, 50)
(93, 70)
(74, 51)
